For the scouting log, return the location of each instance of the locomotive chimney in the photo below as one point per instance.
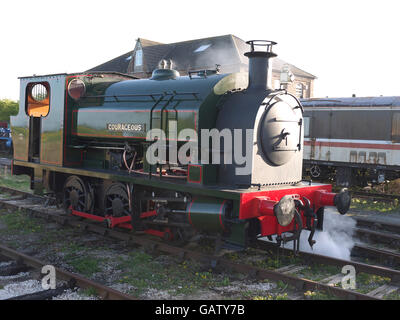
(258, 64)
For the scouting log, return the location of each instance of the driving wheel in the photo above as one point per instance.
(77, 194)
(116, 201)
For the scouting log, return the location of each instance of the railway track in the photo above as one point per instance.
(17, 266)
(363, 222)
(360, 267)
(386, 257)
(23, 201)
(379, 237)
(376, 196)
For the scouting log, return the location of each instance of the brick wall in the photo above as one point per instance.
(307, 85)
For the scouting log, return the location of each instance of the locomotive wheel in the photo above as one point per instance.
(116, 201)
(315, 171)
(76, 194)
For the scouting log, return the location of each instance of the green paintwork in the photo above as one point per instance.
(206, 214)
(69, 124)
(195, 174)
(51, 146)
(195, 189)
(203, 174)
(237, 235)
(96, 85)
(169, 99)
(204, 211)
(145, 104)
(20, 137)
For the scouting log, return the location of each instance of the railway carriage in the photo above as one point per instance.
(87, 138)
(359, 138)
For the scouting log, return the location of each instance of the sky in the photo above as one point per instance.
(351, 46)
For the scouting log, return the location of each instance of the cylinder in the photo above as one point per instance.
(207, 215)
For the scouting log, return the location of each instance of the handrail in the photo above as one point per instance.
(153, 96)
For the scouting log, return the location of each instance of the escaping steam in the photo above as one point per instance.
(337, 238)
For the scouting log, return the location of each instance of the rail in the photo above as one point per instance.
(73, 279)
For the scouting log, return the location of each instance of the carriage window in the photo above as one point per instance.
(396, 127)
(38, 99)
(306, 126)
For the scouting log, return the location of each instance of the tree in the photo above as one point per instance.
(8, 108)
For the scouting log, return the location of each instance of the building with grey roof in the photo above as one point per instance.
(226, 51)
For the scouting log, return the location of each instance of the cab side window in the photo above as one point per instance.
(37, 99)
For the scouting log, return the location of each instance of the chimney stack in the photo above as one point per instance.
(259, 63)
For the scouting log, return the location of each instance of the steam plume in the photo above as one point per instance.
(337, 238)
